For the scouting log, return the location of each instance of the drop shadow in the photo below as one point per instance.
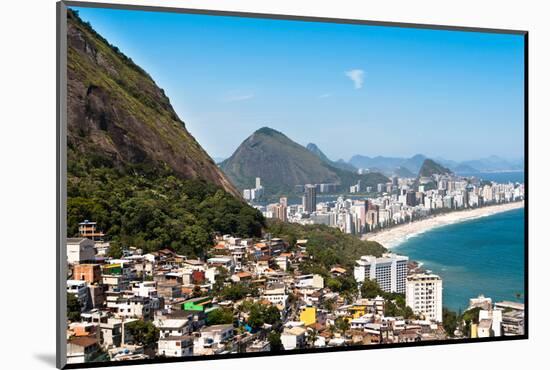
(46, 358)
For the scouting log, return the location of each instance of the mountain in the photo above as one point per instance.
(391, 165)
(414, 163)
(341, 164)
(117, 113)
(132, 166)
(404, 172)
(385, 164)
(282, 163)
(277, 160)
(431, 167)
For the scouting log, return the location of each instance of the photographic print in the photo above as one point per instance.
(241, 185)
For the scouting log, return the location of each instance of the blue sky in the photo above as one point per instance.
(351, 89)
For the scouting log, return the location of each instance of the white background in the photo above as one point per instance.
(27, 182)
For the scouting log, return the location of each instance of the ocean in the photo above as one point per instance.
(480, 256)
(500, 177)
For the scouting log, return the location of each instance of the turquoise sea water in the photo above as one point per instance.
(501, 177)
(481, 256)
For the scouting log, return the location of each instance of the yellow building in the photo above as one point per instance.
(308, 315)
(473, 330)
(357, 311)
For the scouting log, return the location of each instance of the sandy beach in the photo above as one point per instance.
(396, 235)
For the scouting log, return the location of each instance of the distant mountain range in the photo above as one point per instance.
(282, 163)
(402, 167)
(341, 164)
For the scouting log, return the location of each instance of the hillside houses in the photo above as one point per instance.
(231, 300)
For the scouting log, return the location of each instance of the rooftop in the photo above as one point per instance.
(83, 341)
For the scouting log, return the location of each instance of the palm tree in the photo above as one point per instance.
(313, 335)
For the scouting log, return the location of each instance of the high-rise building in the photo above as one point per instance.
(411, 198)
(389, 271)
(279, 212)
(258, 183)
(425, 296)
(310, 198)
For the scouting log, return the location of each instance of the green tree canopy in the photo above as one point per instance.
(73, 308)
(144, 332)
(220, 316)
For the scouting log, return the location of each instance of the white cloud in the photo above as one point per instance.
(238, 97)
(324, 96)
(357, 76)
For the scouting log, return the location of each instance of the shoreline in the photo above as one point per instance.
(394, 236)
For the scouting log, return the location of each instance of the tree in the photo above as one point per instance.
(313, 335)
(235, 292)
(271, 315)
(221, 276)
(144, 332)
(255, 318)
(342, 325)
(370, 289)
(220, 316)
(115, 250)
(275, 343)
(73, 308)
(329, 304)
(197, 292)
(391, 309)
(468, 318)
(450, 321)
(260, 314)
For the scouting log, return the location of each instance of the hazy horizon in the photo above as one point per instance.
(350, 89)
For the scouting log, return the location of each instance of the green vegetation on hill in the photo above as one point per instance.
(132, 166)
(151, 208)
(327, 246)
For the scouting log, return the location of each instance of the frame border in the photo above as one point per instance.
(61, 187)
(61, 175)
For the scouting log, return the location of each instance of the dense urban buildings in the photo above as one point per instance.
(399, 201)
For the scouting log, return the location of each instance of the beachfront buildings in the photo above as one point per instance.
(425, 296)
(399, 201)
(389, 271)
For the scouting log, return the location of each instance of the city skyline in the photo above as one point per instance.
(308, 80)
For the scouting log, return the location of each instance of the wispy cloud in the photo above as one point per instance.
(238, 97)
(324, 96)
(357, 76)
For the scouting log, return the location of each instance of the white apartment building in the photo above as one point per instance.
(389, 271)
(79, 289)
(425, 296)
(276, 294)
(176, 346)
(80, 250)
